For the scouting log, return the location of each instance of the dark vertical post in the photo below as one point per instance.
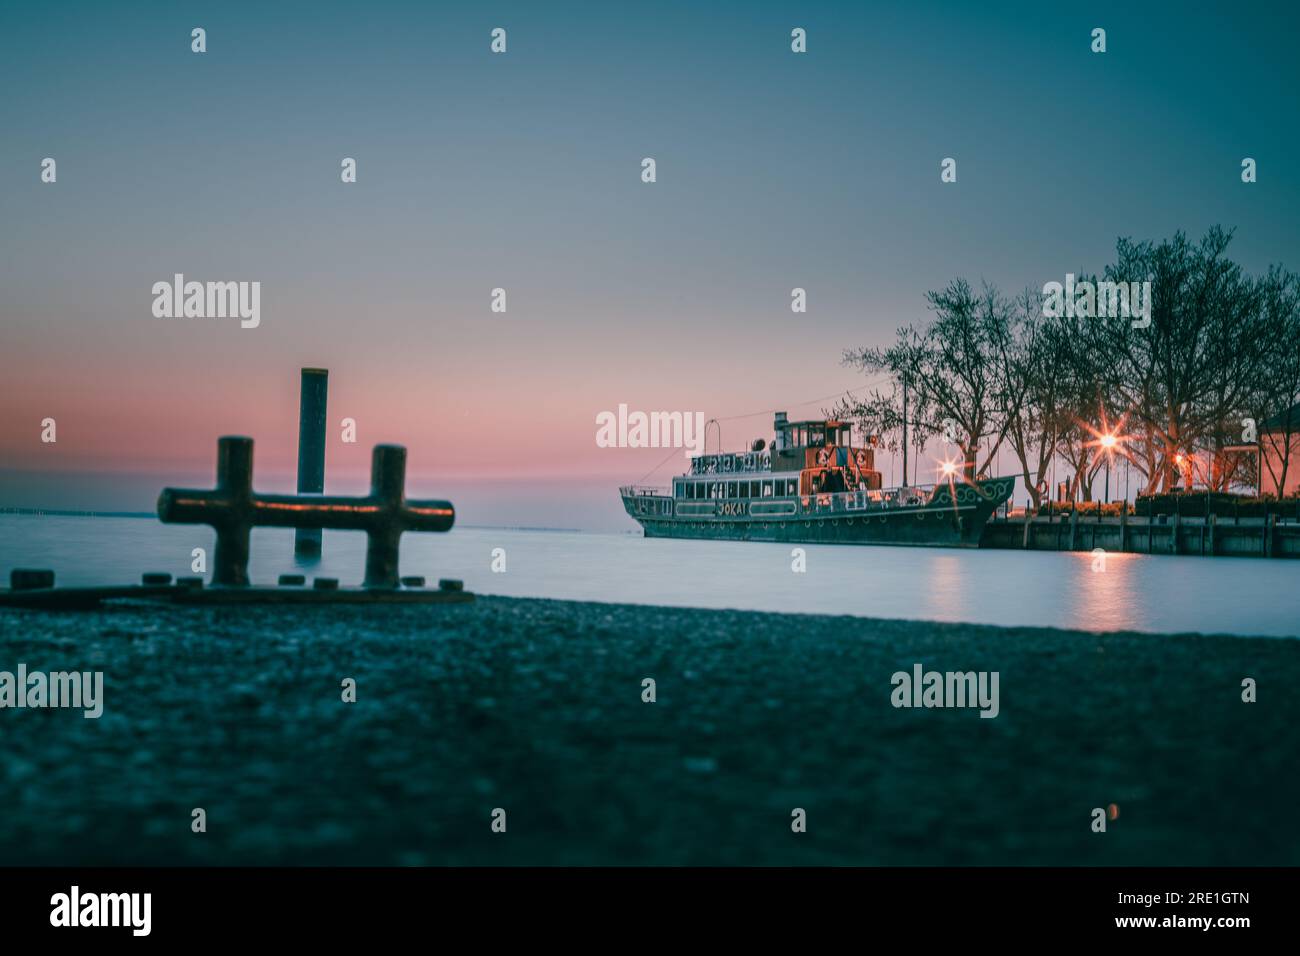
(235, 485)
(387, 482)
(311, 449)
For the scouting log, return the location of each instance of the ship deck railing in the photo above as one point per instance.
(645, 491)
(826, 502)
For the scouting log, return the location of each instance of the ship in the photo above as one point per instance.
(812, 484)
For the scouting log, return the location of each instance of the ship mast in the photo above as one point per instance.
(904, 431)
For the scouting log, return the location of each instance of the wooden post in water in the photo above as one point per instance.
(311, 449)
(1213, 524)
(1123, 526)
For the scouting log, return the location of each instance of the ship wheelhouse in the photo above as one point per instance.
(805, 458)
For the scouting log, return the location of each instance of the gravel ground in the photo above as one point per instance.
(535, 707)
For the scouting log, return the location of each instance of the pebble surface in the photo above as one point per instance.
(536, 707)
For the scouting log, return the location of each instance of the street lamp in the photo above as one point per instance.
(1108, 442)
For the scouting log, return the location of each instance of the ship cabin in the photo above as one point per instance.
(814, 457)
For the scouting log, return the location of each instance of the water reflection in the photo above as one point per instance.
(946, 595)
(1103, 592)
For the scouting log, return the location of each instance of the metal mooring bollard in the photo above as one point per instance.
(233, 509)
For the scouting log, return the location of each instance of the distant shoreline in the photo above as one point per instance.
(68, 513)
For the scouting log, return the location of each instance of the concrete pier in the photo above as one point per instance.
(1172, 534)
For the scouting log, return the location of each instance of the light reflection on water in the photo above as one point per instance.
(1011, 588)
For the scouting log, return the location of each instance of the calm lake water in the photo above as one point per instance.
(1136, 592)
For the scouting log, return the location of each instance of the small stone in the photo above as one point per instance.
(451, 584)
(287, 580)
(413, 581)
(326, 584)
(30, 579)
(155, 578)
(189, 582)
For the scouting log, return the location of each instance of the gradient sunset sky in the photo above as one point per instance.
(522, 171)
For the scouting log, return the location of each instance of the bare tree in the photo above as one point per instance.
(1277, 389)
(1180, 376)
(1155, 389)
(1034, 369)
(952, 372)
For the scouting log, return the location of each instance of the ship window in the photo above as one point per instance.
(731, 489)
(767, 489)
(754, 488)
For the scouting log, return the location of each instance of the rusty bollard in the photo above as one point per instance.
(233, 509)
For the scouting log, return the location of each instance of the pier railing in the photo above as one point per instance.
(1262, 537)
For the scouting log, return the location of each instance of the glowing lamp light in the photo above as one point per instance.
(949, 469)
(1108, 441)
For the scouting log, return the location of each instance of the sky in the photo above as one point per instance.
(522, 171)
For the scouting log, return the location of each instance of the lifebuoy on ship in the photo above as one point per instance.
(823, 457)
(861, 459)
